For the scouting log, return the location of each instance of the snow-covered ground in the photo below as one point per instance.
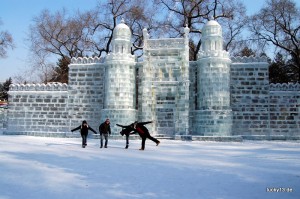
(51, 168)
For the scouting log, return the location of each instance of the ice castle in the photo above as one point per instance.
(217, 95)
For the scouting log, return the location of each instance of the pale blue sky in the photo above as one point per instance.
(16, 15)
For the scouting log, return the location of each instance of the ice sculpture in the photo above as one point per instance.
(120, 93)
(214, 114)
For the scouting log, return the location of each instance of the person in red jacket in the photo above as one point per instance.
(138, 127)
(84, 130)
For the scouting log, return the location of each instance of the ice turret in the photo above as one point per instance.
(120, 98)
(121, 42)
(214, 112)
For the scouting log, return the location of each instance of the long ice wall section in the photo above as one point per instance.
(38, 109)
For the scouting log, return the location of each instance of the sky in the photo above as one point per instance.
(16, 16)
(58, 168)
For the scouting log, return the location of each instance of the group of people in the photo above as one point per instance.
(105, 131)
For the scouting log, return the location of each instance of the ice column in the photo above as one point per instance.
(120, 93)
(214, 112)
(146, 90)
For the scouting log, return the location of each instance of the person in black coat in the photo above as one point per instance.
(138, 127)
(126, 130)
(104, 130)
(84, 130)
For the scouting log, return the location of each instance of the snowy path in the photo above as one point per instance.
(52, 168)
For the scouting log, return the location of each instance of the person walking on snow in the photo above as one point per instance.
(84, 130)
(104, 130)
(138, 127)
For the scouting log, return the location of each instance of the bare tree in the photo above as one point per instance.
(6, 42)
(90, 33)
(41, 69)
(233, 25)
(64, 36)
(277, 24)
(59, 37)
(194, 14)
(190, 13)
(59, 34)
(138, 14)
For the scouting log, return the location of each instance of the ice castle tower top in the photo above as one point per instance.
(212, 27)
(122, 32)
(121, 43)
(212, 38)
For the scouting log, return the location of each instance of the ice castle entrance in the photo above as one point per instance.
(165, 110)
(164, 84)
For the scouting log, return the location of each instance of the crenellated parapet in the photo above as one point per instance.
(120, 56)
(213, 53)
(54, 86)
(285, 87)
(37, 109)
(165, 44)
(86, 60)
(250, 59)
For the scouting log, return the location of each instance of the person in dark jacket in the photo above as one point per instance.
(104, 130)
(84, 130)
(126, 130)
(138, 127)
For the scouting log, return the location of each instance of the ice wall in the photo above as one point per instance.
(38, 109)
(86, 91)
(3, 118)
(250, 95)
(285, 109)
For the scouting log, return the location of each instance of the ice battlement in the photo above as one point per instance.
(120, 56)
(54, 86)
(170, 43)
(250, 59)
(86, 60)
(285, 87)
(213, 53)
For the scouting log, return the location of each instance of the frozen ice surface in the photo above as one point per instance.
(37, 167)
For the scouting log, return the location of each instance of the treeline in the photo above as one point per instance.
(4, 88)
(272, 31)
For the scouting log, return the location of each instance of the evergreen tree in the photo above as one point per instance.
(4, 88)
(278, 72)
(61, 71)
(246, 52)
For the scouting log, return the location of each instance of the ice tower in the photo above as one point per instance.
(213, 90)
(120, 89)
